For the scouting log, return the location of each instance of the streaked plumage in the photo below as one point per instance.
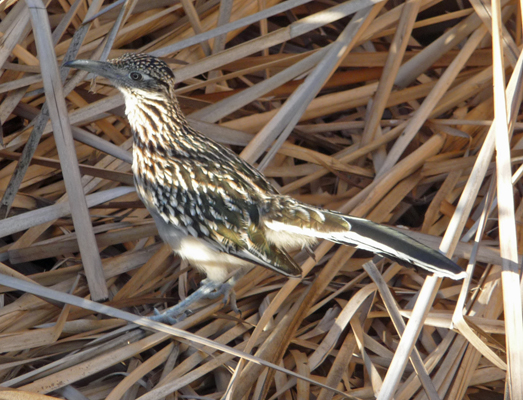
(216, 210)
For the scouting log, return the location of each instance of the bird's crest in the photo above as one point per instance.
(153, 66)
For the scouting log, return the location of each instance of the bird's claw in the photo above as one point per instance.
(229, 296)
(208, 290)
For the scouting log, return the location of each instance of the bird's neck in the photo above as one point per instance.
(158, 125)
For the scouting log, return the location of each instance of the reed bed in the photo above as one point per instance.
(405, 113)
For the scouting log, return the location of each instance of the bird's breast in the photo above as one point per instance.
(144, 178)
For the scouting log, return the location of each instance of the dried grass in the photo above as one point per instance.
(380, 109)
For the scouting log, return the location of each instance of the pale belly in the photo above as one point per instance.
(215, 264)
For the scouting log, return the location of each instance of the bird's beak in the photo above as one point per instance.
(101, 68)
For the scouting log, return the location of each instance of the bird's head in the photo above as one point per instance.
(133, 74)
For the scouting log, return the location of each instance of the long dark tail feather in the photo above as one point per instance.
(397, 246)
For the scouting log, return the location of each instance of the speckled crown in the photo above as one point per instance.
(153, 66)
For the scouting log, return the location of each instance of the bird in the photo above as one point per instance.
(217, 211)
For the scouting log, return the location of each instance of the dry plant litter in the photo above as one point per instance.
(406, 113)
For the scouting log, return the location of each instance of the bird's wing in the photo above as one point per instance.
(252, 246)
(219, 205)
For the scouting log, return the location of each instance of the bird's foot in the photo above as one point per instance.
(229, 295)
(179, 312)
(208, 290)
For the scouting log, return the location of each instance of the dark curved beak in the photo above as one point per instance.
(101, 68)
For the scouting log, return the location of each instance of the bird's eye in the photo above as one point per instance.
(136, 76)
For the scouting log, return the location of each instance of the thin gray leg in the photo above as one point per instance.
(208, 290)
(227, 290)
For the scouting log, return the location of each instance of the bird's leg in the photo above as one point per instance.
(172, 315)
(227, 290)
(208, 290)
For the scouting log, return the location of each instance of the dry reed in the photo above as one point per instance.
(384, 110)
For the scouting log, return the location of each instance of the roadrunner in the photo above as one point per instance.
(214, 209)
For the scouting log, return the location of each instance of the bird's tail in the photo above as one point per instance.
(366, 235)
(399, 247)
